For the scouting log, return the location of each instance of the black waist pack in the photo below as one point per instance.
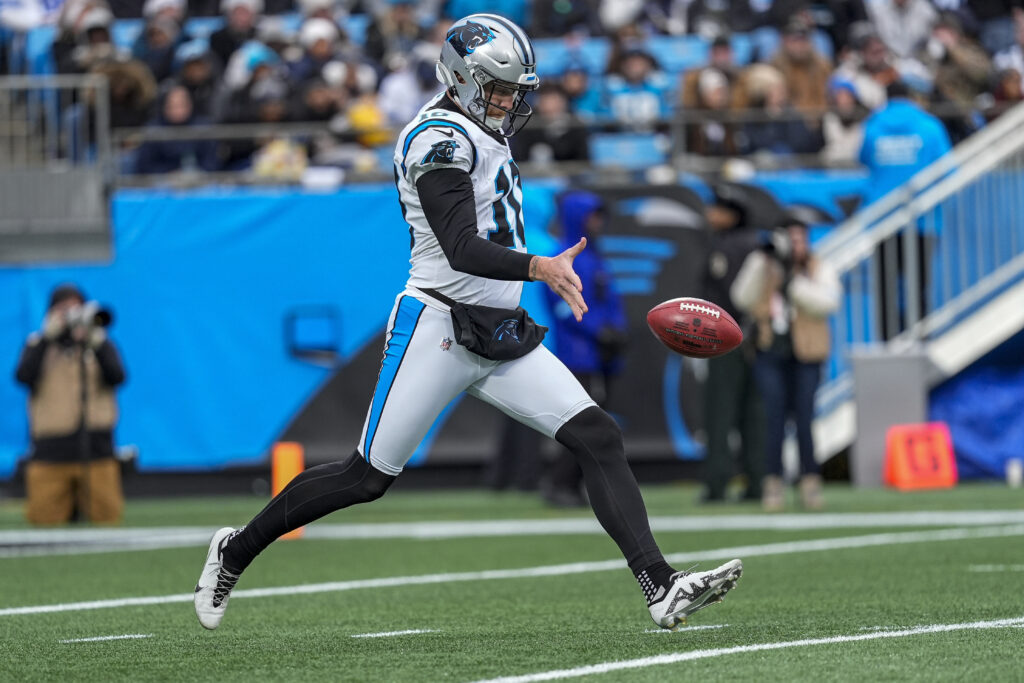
(493, 333)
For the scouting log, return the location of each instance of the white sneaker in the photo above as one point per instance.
(691, 592)
(215, 584)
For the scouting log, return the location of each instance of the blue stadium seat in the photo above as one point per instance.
(554, 56)
(629, 150)
(676, 54)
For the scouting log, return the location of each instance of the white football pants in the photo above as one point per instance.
(424, 369)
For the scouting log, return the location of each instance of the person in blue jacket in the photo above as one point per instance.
(899, 140)
(591, 349)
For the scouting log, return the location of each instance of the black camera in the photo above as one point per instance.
(776, 243)
(89, 315)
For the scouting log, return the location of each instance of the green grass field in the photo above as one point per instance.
(847, 596)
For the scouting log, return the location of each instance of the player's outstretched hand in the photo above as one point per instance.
(558, 274)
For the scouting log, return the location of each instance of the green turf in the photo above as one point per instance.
(524, 625)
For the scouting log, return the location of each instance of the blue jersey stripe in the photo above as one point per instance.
(435, 124)
(406, 319)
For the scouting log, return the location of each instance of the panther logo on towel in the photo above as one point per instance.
(468, 37)
(507, 328)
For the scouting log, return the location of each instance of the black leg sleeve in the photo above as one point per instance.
(311, 495)
(596, 441)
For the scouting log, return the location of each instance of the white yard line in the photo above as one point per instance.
(684, 629)
(388, 634)
(746, 551)
(38, 542)
(996, 568)
(675, 658)
(96, 639)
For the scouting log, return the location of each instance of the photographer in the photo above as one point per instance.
(790, 295)
(71, 369)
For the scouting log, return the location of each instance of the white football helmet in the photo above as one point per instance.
(484, 54)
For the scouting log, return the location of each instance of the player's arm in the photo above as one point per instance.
(449, 205)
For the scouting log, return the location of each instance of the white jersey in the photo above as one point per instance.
(441, 138)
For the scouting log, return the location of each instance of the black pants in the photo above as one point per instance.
(787, 387)
(564, 472)
(894, 283)
(733, 402)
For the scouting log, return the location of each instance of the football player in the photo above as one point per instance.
(461, 196)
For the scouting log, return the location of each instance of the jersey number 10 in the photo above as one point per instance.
(508, 208)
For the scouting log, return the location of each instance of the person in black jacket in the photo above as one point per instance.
(731, 397)
(71, 369)
(242, 17)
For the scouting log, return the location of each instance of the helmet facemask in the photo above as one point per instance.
(513, 117)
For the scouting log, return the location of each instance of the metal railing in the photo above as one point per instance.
(55, 167)
(921, 258)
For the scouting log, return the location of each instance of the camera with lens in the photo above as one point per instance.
(777, 244)
(88, 316)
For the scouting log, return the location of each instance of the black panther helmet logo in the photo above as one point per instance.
(468, 37)
(507, 328)
(441, 152)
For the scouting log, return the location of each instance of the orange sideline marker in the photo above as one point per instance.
(286, 462)
(919, 456)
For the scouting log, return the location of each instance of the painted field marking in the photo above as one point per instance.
(684, 629)
(96, 639)
(41, 542)
(387, 634)
(996, 568)
(675, 658)
(745, 551)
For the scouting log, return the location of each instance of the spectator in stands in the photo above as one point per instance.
(713, 18)
(394, 33)
(156, 45)
(805, 71)
(961, 71)
(778, 128)
(843, 124)
(995, 23)
(870, 69)
(790, 294)
(132, 90)
(558, 19)
(903, 25)
(835, 17)
(72, 427)
(320, 9)
(275, 34)
(319, 41)
(712, 135)
(732, 402)
(318, 101)
(961, 68)
(900, 140)
(720, 59)
(584, 97)
(1006, 93)
(556, 135)
(241, 18)
(174, 10)
(85, 37)
(195, 69)
(164, 156)
(410, 84)
(355, 77)
(638, 94)
(1013, 56)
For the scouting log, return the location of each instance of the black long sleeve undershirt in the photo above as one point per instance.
(449, 205)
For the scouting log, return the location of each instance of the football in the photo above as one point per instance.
(694, 327)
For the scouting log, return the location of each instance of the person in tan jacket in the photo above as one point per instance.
(72, 421)
(790, 294)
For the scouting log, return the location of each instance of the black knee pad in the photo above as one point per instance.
(592, 432)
